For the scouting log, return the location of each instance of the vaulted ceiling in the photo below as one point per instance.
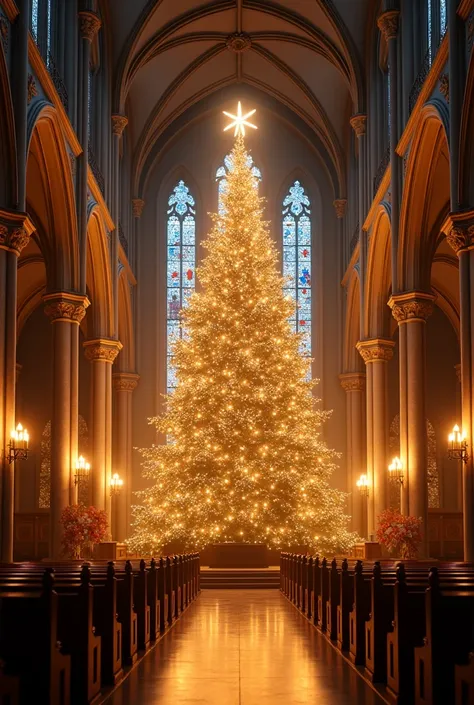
(173, 56)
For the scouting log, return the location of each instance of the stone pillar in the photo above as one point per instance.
(101, 353)
(124, 385)
(359, 125)
(89, 25)
(411, 311)
(13, 238)
(119, 123)
(65, 311)
(354, 385)
(461, 239)
(388, 25)
(376, 353)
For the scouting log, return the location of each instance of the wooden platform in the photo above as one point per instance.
(240, 578)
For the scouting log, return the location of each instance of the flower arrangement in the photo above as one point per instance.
(401, 535)
(82, 526)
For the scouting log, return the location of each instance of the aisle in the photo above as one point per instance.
(243, 647)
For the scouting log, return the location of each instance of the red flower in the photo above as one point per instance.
(82, 526)
(400, 534)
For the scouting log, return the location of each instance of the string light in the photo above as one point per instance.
(244, 459)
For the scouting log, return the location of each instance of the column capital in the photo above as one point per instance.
(14, 233)
(460, 231)
(387, 22)
(340, 207)
(102, 349)
(89, 24)
(65, 306)
(125, 381)
(137, 207)
(353, 381)
(411, 306)
(376, 350)
(119, 123)
(359, 124)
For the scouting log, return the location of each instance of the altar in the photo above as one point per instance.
(238, 555)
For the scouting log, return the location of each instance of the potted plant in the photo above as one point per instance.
(82, 528)
(399, 534)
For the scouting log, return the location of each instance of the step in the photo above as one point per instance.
(239, 579)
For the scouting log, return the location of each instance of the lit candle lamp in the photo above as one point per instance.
(457, 448)
(395, 470)
(363, 486)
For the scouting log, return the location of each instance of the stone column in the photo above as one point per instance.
(388, 25)
(138, 205)
(124, 385)
(354, 385)
(65, 311)
(461, 239)
(376, 353)
(13, 238)
(101, 353)
(119, 123)
(359, 125)
(411, 311)
(89, 25)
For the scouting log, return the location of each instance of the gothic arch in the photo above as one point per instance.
(99, 279)
(425, 201)
(8, 169)
(351, 358)
(377, 317)
(466, 146)
(50, 200)
(126, 359)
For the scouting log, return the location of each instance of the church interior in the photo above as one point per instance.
(116, 151)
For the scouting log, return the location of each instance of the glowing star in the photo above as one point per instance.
(240, 121)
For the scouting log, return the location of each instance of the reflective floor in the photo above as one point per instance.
(243, 647)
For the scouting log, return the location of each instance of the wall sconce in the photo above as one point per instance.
(116, 484)
(395, 471)
(457, 448)
(18, 446)
(82, 470)
(363, 486)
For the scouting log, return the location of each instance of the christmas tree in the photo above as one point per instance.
(243, 458)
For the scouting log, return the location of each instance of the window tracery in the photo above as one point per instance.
(297, 260)
(181, 265)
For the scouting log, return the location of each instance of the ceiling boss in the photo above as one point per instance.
(240, 121)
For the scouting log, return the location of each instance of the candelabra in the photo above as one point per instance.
(18, 446)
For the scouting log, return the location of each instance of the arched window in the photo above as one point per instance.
(45, 467)
(297, 260)
(221, 177)
(181, 260)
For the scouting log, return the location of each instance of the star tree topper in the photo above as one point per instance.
(240, 121)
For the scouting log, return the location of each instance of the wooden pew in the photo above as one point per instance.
(323, 596)
(309, 587)
(464, 682)
(43, 670)
(358, 616)
(449, 617)
(334, 596)
(142, 607)
(378, 625)
(346, 600)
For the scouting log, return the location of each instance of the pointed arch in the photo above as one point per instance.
(51, 200)
(99, 276)
(352, 361)
(426, 199)
(8, 166)
(126, 359)
(377, 317)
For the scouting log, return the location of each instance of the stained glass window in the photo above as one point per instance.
(221, 177)
(437, 23)
(181, 267)
(297, 250)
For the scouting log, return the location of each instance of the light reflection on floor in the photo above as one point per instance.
(243, 647)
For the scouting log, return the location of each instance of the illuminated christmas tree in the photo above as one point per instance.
(242, 457)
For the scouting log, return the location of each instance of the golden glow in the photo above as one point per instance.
(19, 438)
(245, 459)
(240, 121)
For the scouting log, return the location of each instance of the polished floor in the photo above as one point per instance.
(243, 647)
